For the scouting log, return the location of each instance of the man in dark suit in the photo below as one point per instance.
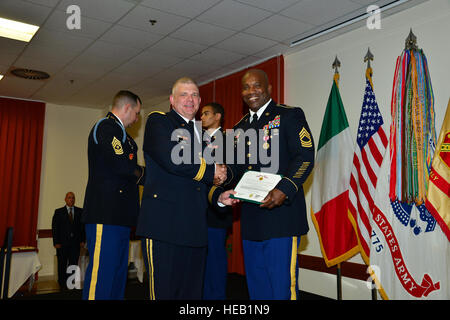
(271, 231)
(111, 202)
(216, 269)
(178, 185)
(68, 236)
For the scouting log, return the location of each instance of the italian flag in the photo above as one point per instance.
(332, 170)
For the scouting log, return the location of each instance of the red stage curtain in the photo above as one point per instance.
(227, 92)
(21, 136)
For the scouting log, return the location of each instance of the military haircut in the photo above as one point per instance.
(260, 72)
(183, 80)
(123, 97)
(217, 108)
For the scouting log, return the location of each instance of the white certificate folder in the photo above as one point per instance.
(254, 186)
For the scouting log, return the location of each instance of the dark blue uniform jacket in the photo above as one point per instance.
(295, 162)
(176, 192)
(112, 195)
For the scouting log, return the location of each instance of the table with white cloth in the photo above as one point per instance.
(24, 264)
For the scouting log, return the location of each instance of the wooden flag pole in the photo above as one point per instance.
(339, 282)
(336, 65)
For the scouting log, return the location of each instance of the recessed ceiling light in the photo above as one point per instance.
(17, 30)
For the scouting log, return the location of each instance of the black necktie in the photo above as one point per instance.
(71, 215)
(254, 121)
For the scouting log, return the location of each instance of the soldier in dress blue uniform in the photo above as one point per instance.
(271, 231)
(111, 202)
(216, 269)
(178, 186)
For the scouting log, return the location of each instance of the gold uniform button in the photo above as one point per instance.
(250, 167)
(249, 155)
(249, 142)
(155, 196)
(120, 191)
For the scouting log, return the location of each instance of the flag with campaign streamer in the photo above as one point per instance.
(409, 255)
(329, 199)
(438, 196)
(370, 147)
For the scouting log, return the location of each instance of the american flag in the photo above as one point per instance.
(371, 145)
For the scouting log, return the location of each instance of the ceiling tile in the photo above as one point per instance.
(111, 51)
(317, 12)
(46, 54)
(105, 10)
(46, 3)
(151, 88)
(139, 18)
(22, 11)
(130, 37)
(46, 64)
(91, 65)
(130, 69)
(276, 50)
(191, 68)
(233, 15)
(3, 69)
(90, 28)
(202, 33)
(194, 8)
(236, 66)
(61, 86)
(286, 28)
(217, 57)
(149, 58)
(10, 46)
(271, 5)
(165, 78)
(17, 87)
(60, 40)
(7, 59)
(245, 43)
(177, 48)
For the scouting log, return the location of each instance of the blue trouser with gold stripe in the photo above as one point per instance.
(174, 272)
(106, 274)
(271, 268)
(216, 268)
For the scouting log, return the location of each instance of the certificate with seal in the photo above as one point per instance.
(254, 186)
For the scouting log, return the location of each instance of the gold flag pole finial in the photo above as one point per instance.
(367, 58)
(411, 41)
(336, 64)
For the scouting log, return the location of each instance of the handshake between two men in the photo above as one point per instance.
(220, 176)
(273, 199)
